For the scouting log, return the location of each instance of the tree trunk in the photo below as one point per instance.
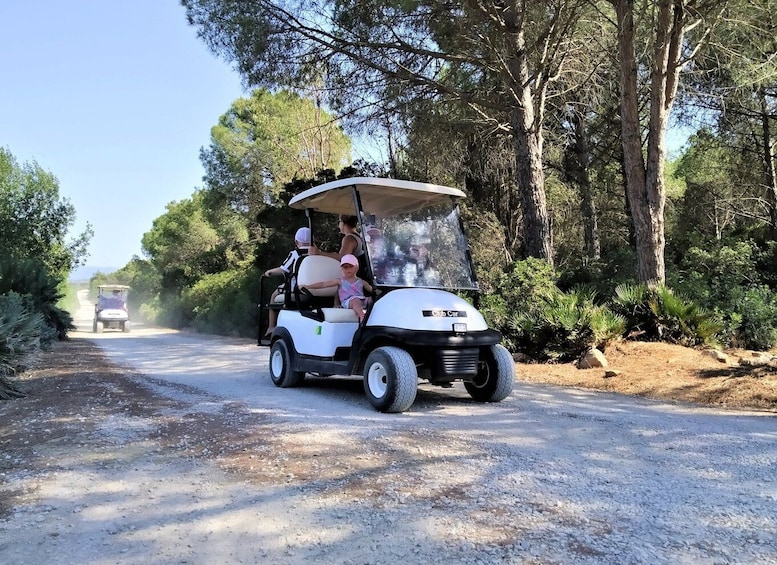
(527, 136)
(769, 168)
(645, 181)
(578, 171)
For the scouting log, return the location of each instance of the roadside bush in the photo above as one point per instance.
(733, 281)
(23, 330)
(515, 292)
(658, 314)
(753, 322)
(709, 277)
(563, 326)
(224, 303)
(30, 278)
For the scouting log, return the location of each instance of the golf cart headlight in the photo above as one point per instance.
(460, 327)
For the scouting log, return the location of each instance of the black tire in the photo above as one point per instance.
(281, 371)
(494, 381)
(125, 327)
(390, 379)
(98, 327)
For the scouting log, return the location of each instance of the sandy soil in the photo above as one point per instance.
(744, 379)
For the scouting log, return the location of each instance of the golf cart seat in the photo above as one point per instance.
(315, 268)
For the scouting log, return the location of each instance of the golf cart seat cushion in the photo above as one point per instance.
(315, 268)
(337, 315)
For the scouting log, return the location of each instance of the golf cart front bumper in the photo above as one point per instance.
(440, 356)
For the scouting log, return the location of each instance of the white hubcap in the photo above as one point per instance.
(377, 380)
(276, 363)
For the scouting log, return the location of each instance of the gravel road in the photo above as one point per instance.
(227, 468)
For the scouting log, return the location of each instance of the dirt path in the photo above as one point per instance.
(105, 464)
(160, 447)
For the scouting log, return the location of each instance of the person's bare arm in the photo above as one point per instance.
(276, 272)
(322, 284)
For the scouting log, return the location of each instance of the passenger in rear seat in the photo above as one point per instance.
(351, 289)
(302, 241)
(352, 243)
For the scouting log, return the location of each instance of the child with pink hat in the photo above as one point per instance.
(351, 288)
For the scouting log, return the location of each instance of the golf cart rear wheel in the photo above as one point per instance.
(494, 381)
(390, 379)
(281, 370)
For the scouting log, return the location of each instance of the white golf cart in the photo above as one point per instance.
(110, 311)
(416, 327)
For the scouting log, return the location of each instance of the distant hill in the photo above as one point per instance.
(83, 274)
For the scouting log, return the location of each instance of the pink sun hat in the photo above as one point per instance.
(349, 259)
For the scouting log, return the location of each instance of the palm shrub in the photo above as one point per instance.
(31, 278)
(656, 313)
(21, 330)
(562, 326)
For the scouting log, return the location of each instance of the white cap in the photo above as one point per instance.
(303, 236)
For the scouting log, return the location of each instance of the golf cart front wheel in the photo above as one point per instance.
(495, 378)
(390, 379)
(98, 327)
(281, 371)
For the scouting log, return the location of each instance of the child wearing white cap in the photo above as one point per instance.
(302, 241)
(351, 288)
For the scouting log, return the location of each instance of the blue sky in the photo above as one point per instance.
(115, 98)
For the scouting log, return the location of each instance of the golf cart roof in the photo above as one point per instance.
(378, 196)
(112, 287)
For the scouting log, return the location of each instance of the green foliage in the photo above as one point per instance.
(562, 326)
(616, 266)
(754, 325)
(540, 320)
(710, 275)
(22, 330)
(658, 314)
(182, 244)
(30, 278)
(34, 220)
(516, 291)
(734, 281)
(487, 244)
(224, 303)
(266, 141)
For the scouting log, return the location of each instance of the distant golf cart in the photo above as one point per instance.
(110, 311)
(416, 327)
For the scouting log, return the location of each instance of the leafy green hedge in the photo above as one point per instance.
(224, 303)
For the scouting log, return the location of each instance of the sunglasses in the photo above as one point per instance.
(347, 266)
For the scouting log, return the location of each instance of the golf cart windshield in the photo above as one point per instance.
(423, 248)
